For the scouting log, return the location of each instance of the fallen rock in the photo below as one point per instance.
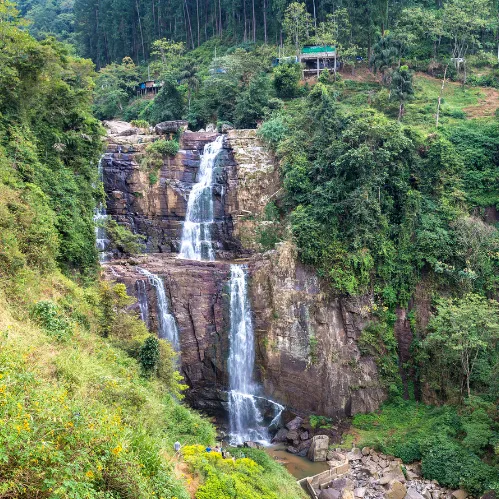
(354, 455)
(170, 127)
(292, 436)
(397, 490)
(295, 423)
(333, 455)
(412, 493)
(292, 450)
(252, 445)
(280, 436)
(359, 492)
(304, 435)
(318, 448)
(460, 494)
(342, 484)
(366, 451)
(211, 127)
(330, 494)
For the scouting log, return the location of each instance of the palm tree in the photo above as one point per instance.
(189, 77)
(401, 88)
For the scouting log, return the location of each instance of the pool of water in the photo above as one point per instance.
(299, 467)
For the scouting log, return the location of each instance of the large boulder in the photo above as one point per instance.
(280, 436)
(318, 448)
(295, 423)
(355, 454)
(330, 494)
(397, 490)
(170, 127)
(412, 493)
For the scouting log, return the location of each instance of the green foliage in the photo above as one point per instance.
(122, 239)
(433, 435)
(462, 334)
(149, 355)
(273, 131)
(320, 421)
(48, 315)
(167, 105)
(252, 103)
(253, 475)
(140, 123)
(286, 78)
(163, 147)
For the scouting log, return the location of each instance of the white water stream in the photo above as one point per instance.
(167, 326)
(196, 234)
(245, 418)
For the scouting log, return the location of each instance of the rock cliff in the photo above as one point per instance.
(307, 340)
(307, 353)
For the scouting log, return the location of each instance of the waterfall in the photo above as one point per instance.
(245, 418)
(196, 234)
(100, 218)
(143, 305)
(167, 326)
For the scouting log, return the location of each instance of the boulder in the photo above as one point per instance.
(460, 494)
(318, 448)
(355, 454)
(226, 127)
(330, 494)
(304, 435)
(359, 492)
(280, 436)
(295, 423)
(292, 436)
(397, 490)
(211, 127)
(170, 127)
(333, 455)
(292, 450)
(366, 451)
(412, 493)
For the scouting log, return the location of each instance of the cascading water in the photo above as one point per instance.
(167, 326)
(142, 299)
(100, 218)
(196, 234)
(245, 418)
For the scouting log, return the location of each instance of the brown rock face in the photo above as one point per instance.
(307, 340)
(157, 209)
(198, 299)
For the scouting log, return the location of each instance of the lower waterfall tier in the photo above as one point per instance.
(306, 352)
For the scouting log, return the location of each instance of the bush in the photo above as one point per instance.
(49, 316)
(273, 131)
(122, 239)
(163, 147)
(140, 123)
(286, 78)
(149, 355)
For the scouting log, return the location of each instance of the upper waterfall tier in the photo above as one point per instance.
(197, 241)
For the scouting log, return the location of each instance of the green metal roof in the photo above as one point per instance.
(318, 48)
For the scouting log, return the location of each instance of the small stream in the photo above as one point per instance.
(299, 467)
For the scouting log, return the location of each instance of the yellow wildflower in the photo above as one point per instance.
(89, 474)
(117, 450)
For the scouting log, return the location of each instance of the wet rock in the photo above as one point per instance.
(318, 448)
(293, 436)
(304, 435)
(294, 424)
(252, 445)
(460, 494)
(292, 450)
(280, 436)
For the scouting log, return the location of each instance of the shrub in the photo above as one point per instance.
(273, 131)
(140, 123)
(122, 239)
(163, 147)
(286, 78)
(149, 355)
(48, 315)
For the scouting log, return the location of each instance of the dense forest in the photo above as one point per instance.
(390, 188)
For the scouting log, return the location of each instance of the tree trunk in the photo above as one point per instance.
(440, 95)
(197, 17)
(265, 21)
(140, 28)
(254, 21)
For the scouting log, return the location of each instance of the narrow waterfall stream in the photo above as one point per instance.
(245, 418)
(167, 326)
(196, 234)
(100, 217)
(143, 304)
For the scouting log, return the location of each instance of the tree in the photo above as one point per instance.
(401, 88)
(463, 21)
(386, 53)
(253, 102)
(297, 24)
(286, 78)
(462, 330)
